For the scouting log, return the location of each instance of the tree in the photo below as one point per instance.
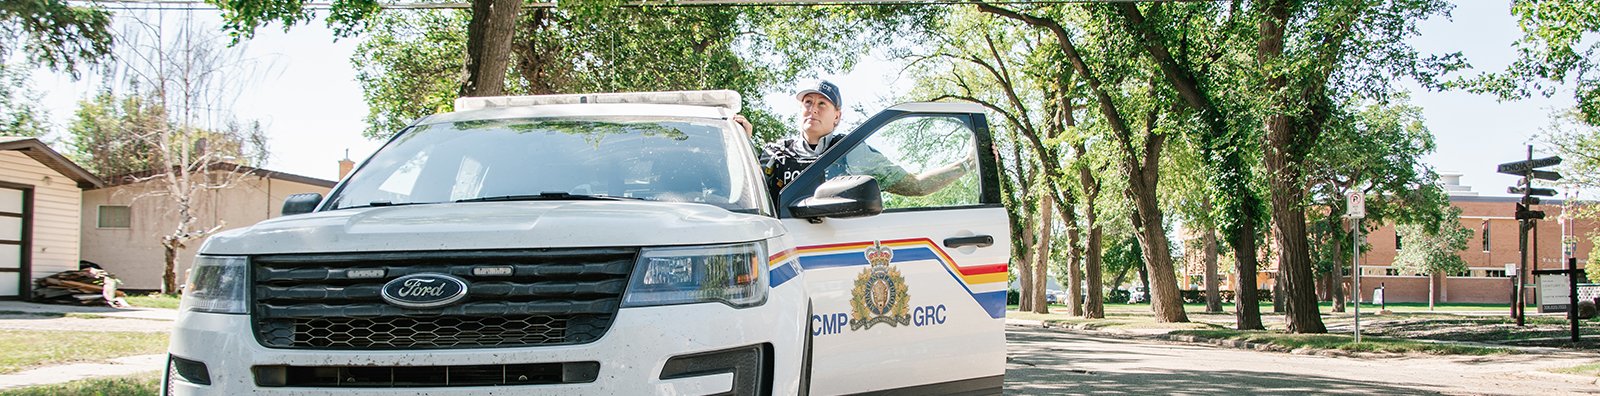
(20, 114)
(1375, 149)
(54, 33)
(108, 133)
(1430, 248)
(488, 44)
(177, 110)
(1140, 153)
(1551, 53)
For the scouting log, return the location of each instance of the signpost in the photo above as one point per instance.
(1554, 296)
(1526, 216)
(1356, 205)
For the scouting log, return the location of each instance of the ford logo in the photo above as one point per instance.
(425, 290)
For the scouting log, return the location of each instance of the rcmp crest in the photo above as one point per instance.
(880, 294)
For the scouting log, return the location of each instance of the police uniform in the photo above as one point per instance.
(784, 160)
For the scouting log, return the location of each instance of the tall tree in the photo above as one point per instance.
(1139, 158)
(1430, 249)
(55, 33)
(20, 113)
(1208, 36)
(1377, 150)
(1558, 47)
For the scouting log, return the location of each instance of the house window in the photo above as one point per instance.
(1396, 239)
(115, 216)
(1486, 236)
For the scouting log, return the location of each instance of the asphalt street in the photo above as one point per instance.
(1059, 362)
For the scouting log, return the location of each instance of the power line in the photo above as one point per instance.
(191, 5)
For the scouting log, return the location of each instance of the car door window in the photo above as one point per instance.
(919, 162)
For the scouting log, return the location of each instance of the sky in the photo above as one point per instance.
(312, 108)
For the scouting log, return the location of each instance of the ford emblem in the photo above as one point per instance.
(426, 290)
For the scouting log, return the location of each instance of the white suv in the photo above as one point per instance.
(610, 244)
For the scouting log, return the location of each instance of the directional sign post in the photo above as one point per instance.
(1529, 171)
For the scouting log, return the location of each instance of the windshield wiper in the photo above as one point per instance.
(374, 204)
(547, 196)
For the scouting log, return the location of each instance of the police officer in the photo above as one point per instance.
(785, 159)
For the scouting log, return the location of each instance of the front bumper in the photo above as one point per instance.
(632, 354)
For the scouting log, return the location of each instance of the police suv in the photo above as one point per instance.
(611, 244)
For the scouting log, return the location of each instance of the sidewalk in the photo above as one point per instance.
(50, 375)
(50, 317)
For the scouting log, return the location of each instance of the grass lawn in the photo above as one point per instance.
(1341, 342)
(24, 349)
(133, 385)
(154, 300)
(1591, 369)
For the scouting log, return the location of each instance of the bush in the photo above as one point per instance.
(1013, 297)
(1199, 296)
(1117, 296)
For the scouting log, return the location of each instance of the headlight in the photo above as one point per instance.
(730, 274)
(216, 284)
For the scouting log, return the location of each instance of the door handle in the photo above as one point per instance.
(975, 240)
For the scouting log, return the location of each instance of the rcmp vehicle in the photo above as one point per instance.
(610, 244)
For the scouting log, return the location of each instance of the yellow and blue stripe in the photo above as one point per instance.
(985, 283)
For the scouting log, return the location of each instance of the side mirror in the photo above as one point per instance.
(842, 197)
(301, 203)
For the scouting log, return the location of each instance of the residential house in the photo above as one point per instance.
(124, 221)
(41, 192)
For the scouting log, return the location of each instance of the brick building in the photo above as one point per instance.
(1485, 281)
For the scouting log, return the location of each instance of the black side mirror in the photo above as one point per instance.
(301, 203)
(842, 197)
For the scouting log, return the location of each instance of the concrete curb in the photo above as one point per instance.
(51, 375)
(1240, 344)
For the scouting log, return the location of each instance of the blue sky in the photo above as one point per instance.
(313, 110)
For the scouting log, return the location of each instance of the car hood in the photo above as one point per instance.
(495, 225)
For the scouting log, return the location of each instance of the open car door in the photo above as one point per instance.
(911, 300)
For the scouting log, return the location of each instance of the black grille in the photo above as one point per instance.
(551, 297)
(426, 376)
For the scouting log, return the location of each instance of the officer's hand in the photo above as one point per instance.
(749, 130)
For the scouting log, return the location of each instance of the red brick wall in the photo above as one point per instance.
(1453, 289)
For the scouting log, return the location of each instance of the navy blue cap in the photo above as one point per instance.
(827, 89)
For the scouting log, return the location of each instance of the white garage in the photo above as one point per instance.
(41, 192)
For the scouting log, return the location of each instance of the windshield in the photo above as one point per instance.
(658, 159)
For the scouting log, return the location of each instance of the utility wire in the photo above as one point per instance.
(182, 5)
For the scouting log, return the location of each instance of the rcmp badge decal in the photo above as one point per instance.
(880, 295)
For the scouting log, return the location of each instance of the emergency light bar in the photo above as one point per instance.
(719, 98)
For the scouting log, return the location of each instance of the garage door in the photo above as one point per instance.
(13, 241)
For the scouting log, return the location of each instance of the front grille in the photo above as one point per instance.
(426, 376)
(551, 297)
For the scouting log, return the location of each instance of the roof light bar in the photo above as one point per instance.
(720, 98)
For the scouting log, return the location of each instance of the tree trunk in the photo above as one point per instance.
(1246, 306)
(1096, 308)
(1041, 266)
(1284, 179)
(1025, 274)
(1432, 279)
(1336, 277)
(489, 37)
(1213, 296)
(169, 273)
(1074, 259)
(1092, 261)
(1163, 288)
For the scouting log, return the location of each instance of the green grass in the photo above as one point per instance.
(133, 385)
(1340, 342)
(154, 300)
(24, 349)
(1591, 370)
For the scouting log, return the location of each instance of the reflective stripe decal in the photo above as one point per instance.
(781, 267)
(988, 279)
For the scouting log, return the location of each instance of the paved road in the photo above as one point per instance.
(1056, 362)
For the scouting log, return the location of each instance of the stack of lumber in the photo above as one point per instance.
(88, 286)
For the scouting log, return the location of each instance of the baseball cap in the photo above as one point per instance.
(827, 89)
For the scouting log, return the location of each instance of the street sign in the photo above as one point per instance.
(1357, 202)
(1543, 192)
(1546, 175)
(1530, 201)
(1521, 168)
(1553, 292)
